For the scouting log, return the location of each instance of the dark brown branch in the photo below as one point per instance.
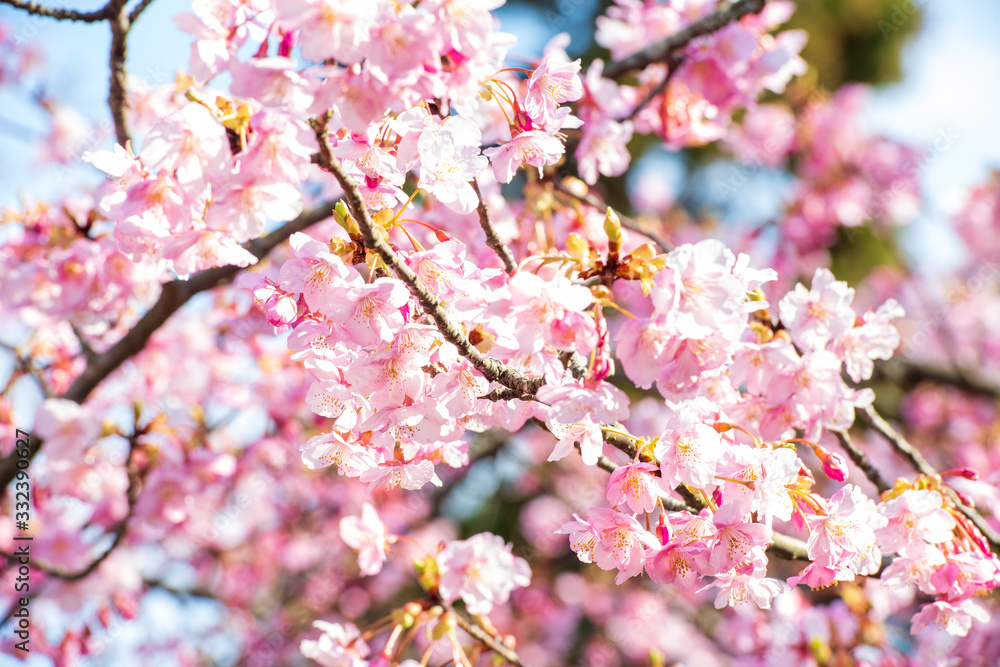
(469, 623)
(117, 93)
(861, 460)
(57, 13)
(174, 294)
(492, 369)
(913, 456)
(138, 10)
(659, 52)
(492, 240)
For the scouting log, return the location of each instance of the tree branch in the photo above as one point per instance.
(659, 52)
(138, 10)
(782, 546)
(590, 200)
(119, 532)
(861, 460)
(117, 96)
(912, 455)
(674, 63)
(492, 369)
(905, 372)
(469, 623)
(57, 13)
(897, 441)
(174, 295)
(492, 240)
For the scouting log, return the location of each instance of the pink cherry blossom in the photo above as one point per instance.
(604, 149)
(552, 83)
(371, 313)
(338, 646)
(916, 518)
(818, 315)
(874, 338)
(612, 540)
(534, 147)
(368, 536)
(190, 142)
(689, 449)
(739, 588)
(955, 619)
(481, 571)
(636, 486)
(737, 542)
(846, 535)
(449, 160)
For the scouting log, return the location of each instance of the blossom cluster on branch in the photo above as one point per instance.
(456, 306)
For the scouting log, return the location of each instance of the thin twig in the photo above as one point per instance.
(492, 240)
(897, 441)
(134, 484)
(913, 456)
(492, 369)
(469, 623)
(861, 460)
(58, 13)
(674, 63)
(174, 294)
(628, 223)
(902, 371)
(138, 10)
(659, 52)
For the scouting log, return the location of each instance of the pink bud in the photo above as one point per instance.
(966, 472)
(663, 529)
(288, 43)
(964, 499)
(834, 466)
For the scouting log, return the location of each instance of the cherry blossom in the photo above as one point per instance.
(481, 571)
(368, 535)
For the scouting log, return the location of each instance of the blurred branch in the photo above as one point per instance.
(674, 63)
(134, 483)
(909, 373)
(492, 240)
(590, 200)
(57, 13)
(138, 10)
(861, 460)
(659, 52)
(913, 456)
(174, 294)
(472, 626)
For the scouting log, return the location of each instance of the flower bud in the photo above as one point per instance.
(613, 228)
(966, 472)
(834, 465)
